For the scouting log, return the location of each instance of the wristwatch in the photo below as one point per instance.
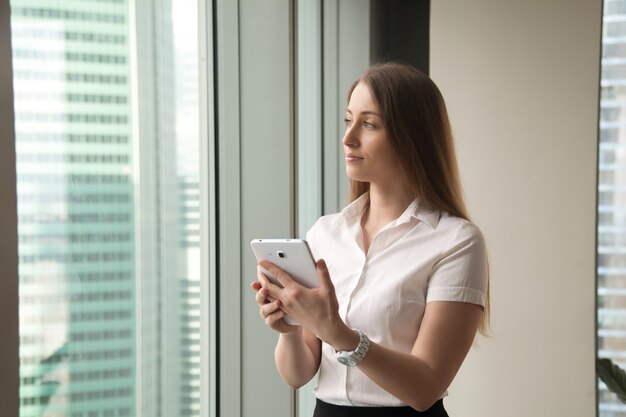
(356, 356)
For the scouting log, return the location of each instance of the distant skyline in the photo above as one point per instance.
(97, 339)
(612, 200)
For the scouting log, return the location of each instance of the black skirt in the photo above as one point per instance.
(323, 409)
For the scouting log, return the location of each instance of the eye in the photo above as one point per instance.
(347, 122)
(368, 125)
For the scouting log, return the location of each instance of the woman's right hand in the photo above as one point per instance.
(270, 311)
(298, 351)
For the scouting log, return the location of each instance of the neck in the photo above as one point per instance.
(386, 204)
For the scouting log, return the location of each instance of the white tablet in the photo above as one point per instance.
(291, 255)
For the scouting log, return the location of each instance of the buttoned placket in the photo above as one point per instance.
(355, 231)
(358, 278)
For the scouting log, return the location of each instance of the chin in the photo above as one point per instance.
(356, 177)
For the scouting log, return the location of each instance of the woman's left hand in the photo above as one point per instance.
(316, 309)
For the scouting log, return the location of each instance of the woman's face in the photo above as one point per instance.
(369, 155)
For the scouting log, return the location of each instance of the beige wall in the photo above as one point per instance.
(521, 83)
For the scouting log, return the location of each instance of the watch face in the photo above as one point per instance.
(346, 361)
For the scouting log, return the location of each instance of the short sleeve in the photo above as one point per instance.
(462, 273)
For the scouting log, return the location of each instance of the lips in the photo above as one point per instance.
(350, 157)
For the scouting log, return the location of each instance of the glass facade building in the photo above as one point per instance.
(612, 200)
(108, 208)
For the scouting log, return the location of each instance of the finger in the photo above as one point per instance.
(263, 278)
(280, 275)
(261, 296)
(323, 274)
(272, 290)
(259, 272)
(274, 319)
(269, 308)
(255, 285)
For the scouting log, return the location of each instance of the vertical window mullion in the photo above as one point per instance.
(9, 348)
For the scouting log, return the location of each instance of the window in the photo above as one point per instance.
(110, 214)
(612, 200)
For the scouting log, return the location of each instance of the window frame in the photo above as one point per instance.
(235, 161)
(9, 298)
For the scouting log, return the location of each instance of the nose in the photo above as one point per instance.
(350, 137)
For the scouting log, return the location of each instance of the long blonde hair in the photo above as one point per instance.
(414, 114)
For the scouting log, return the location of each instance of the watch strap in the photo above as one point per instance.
(355, 357)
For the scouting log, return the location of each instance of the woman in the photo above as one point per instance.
(403, 272)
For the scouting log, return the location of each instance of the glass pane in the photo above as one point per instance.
(106, 101)
(309, 136)
(612, 200)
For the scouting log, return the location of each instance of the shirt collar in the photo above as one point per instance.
(427, 215)
(353, 212)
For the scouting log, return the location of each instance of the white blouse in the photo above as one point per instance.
(424, 255)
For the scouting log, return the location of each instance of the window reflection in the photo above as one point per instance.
(108, 207)
(612, 200)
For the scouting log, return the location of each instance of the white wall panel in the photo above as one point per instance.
(521, 82)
